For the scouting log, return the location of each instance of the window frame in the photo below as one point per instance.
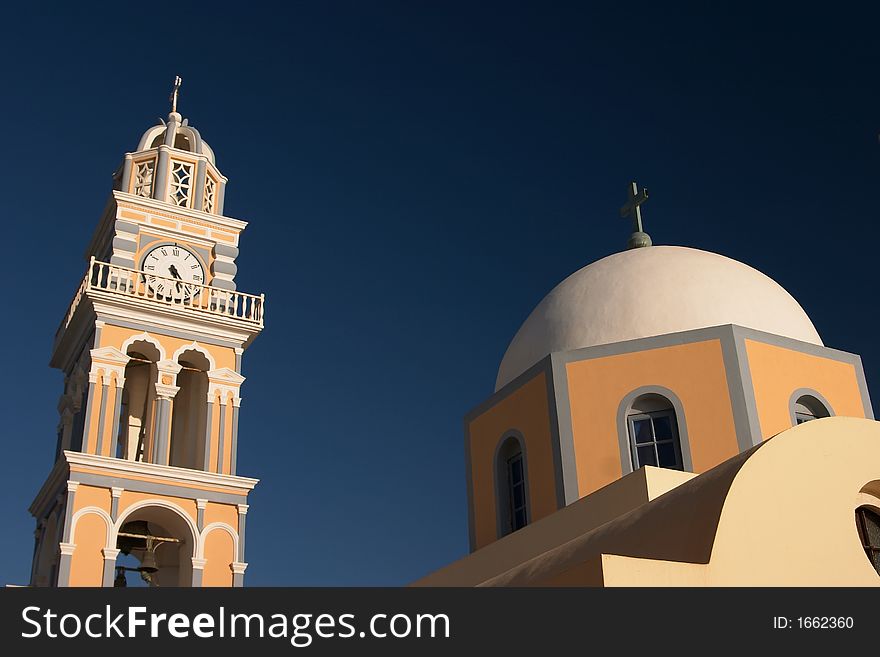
(811, 401)
(670, 413)
(511, 445)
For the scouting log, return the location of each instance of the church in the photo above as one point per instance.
(151, 348)
(670, 417)
(700, 434)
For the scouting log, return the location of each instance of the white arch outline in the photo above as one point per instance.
(212, 527)
(171, 506)
(195, 346)
(108, 522)
(144, 337)
(149, 136)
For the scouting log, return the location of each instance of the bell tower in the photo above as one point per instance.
(144, 487)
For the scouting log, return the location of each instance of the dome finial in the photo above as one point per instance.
(639, 238)
(174, 92)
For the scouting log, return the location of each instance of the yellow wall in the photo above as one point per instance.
(525, 410)
(115, 336)
(695, 372)
(92, 496)
(219, 551)
(87, 564)
(777, 372)
(90, 534)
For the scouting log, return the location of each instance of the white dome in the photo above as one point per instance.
(652, 291)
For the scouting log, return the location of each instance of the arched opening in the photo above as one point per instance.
(512, 490)
(653, 433)
(868, 524)
(138, 399)
(156, 548)
(190, 411)
(80, 391)
(182, 142)
(809, 407)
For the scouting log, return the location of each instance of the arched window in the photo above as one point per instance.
(809, 407)
(138, 398)
(190, 412)
(512, 485)
(653, 433)
(868, 523)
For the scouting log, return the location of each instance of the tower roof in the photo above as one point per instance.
(177, 133)
(652, 291)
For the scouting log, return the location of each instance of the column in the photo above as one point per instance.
(115, 494)
(87, 417)
(221, 439)
(166, 389)
(117, 411)
(162, 439)
(200, 506)
(221, 196)
(199, 189)
(64, 564)
(102, 415)
(160, 180)
(125, 181)
(208, 426)
(242, 517)
(110, 555)
(238, 569)
(236, 404)
(198, 571)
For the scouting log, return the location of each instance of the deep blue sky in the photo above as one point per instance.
(416, 177)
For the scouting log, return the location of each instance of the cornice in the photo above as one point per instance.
(130, 201)
(123, 467)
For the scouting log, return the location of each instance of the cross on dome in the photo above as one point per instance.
(632, 209)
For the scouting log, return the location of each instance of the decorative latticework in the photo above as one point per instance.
(180, 187)
(143, 179)
(210, 194)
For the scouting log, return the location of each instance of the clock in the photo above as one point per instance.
(173, 271)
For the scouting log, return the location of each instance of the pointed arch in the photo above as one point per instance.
(195, 346)
(144, 337)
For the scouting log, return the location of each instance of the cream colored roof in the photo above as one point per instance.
(652, 291)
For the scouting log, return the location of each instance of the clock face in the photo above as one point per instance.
(173, 271)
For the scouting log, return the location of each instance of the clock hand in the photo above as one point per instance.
(175, 274)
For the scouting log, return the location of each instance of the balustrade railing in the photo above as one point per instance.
(173, 292)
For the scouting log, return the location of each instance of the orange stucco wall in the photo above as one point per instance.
(216, 512)
(777, 372)
(527, 411)
(115, 336)
(695, 372)
(92, 496)
(219, 552)
(87, 563)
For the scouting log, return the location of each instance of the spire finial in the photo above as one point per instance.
(174, 92)
(635, 198)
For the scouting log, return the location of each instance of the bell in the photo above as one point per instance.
(148, 563)
(120, 580)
